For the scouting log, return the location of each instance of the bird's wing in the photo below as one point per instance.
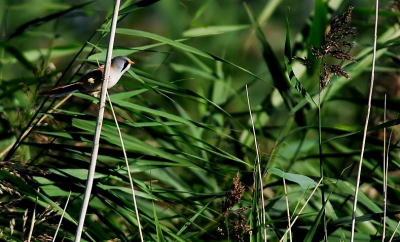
(90, 82)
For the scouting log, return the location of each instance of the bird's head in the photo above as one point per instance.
(121, 63)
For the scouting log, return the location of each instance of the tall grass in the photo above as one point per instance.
(184, 117)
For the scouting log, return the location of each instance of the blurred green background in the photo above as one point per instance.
(187, 130)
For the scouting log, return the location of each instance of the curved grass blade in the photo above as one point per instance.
(195, 216)
(137, 6)
(20, 56)
(255, 224)
(213, 30)
(391, 104)
(304, 181)
(311, 232)
(178, 45)
(160, 236)
(371, 12)
(111, 224)
(278, 74)
(134, 144)
(288, 62)
(388, 124)
(317, 33)
(43, 20)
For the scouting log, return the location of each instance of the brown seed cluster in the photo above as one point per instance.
(324, 78)
(235, 194)
(8, 188)
(239, 226)
(44, 238)
(236, 219)
(47, 214)
(334, 47)
(334, 44)
(337, 70)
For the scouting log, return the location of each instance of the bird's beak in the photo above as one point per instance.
(131, 62)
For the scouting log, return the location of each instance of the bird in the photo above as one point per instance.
(91, 82)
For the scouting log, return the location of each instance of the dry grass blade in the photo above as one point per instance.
(287, 209)
(394, 232)
(385, 177)
(24, 218)
(62, 215)
(353, 221)
(33, 219)
(258, 167)
(301, 210)
(384, 174)
(128, 169)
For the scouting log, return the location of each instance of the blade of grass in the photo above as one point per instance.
(180, 46)
(287, 209)
(62, 215)
(394, 232)
(288, 62)
(258, 169)
(213, 30)
(281, 82)
(136, 6)
(33, 218)
(302, 180)
(353, 223)
(40, 21)
(301, 210)
(317, 33)
(129, 173)
(384, 174)
(311, 232)
(160, 236)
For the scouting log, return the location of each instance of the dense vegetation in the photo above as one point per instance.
(184, 111)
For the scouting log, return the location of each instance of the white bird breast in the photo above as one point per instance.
(115, 75)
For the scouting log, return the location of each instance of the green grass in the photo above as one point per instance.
(182, 109)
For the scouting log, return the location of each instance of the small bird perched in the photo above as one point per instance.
(91, 82)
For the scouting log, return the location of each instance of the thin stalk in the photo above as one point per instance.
(33, 219)
(287, 209)
(301, 210)
(321, 164)
(258, 167)
(284, 131)
(394, 231)
(128, 169)
(62, 216)
(353, 220)
(96, 138)
(384, 174)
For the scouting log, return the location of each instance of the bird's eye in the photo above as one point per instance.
(126, 63)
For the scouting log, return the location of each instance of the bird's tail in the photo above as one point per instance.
(62, 90)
